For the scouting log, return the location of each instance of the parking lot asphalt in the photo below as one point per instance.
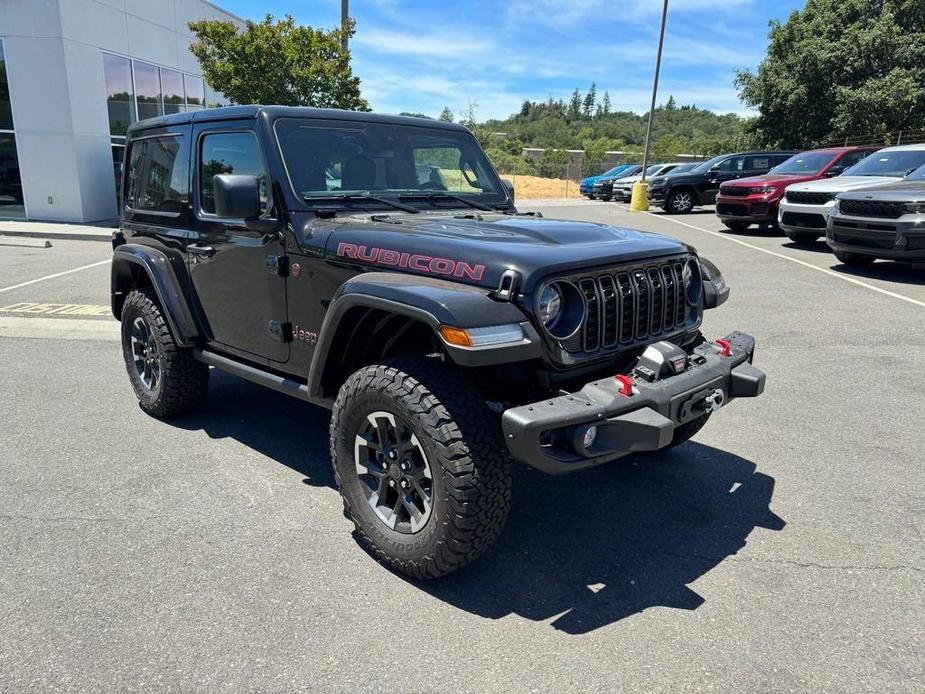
(781, 550)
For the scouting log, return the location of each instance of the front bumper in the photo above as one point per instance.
(657, 194)
(548, 435)
(739, 209)
(892, 239)
(796, 217)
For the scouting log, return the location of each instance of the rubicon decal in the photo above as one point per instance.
(415, 261)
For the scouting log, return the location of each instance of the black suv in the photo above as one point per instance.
(377, 266)
(681, 193)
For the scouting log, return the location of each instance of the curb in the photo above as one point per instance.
(59, 235)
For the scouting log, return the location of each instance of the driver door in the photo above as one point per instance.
(727, 170)
(243, 302)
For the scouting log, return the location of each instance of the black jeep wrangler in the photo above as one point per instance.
(377, 266)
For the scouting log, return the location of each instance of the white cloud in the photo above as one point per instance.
(567, 12)
(431, 44)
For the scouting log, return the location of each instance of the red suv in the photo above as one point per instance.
(748, 201)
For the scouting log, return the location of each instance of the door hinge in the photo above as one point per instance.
(277, 265)
(280, 331)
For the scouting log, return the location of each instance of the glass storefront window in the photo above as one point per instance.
(120, 95)
(172, 84)
(6, 114)
(11, 198)
(195, 92)
(148, 90)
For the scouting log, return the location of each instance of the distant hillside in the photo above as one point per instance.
(587, 123)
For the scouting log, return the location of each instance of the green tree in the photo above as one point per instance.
(587, 106)
(278, 62)
(840, 68)
(446, 115)
(574, 106)
(605, 104)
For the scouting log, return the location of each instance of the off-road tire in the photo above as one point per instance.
(590, 197)
(853, 259)
(183, 382)
(737, 227)
(606, 198)
(688, 430)
(470, 467)
(803, 237)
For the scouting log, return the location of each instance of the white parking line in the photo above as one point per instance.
(60, 328)
(57, 274)
(825, 271)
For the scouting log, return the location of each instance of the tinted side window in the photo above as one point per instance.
(229, 153)
(732, 165)
(759, 163)
(851, 158)
(158, 177)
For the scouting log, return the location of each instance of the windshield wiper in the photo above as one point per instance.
(445, 196)
(348, 197)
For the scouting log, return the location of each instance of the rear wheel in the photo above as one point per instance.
(803, 237)
(680, 202)
(421, 466)
(737, 227)
(853, 259)
(166, 378)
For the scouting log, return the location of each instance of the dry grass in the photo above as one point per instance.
(534, 187)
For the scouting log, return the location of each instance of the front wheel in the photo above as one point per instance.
(680, 202)
(421, 466)
(853, 259)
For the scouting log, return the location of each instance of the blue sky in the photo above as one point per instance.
(422, 56)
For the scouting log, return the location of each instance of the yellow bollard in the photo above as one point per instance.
(640, 200)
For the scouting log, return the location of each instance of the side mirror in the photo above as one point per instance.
(834, 171)
(236, 196)
(509, 185)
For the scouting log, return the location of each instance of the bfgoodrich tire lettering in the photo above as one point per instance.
(181, 382)
(470, 470)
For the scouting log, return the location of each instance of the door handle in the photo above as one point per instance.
(199, 249)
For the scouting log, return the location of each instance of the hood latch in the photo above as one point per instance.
(507, 287)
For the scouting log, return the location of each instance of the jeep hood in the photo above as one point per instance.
(770, 180)
(843, 183)
(478, 248)
(903, 191)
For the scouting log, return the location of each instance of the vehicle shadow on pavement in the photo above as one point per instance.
(589, 549)
(887, 271)
(290, 432)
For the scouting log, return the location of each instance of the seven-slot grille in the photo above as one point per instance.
(625, 307)
(735, 191)
(802, 197)
(872, 208)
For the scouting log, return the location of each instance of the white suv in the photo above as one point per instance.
(623, 187)
(806, 206)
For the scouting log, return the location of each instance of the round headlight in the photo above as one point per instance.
(550, 305)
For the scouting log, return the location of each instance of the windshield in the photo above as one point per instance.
(708, 164)
(682, 168)
(805, 163)
(338, 159)
(885, 163)
(654, 169)
(615, 170)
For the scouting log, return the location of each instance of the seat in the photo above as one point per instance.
(359, 173)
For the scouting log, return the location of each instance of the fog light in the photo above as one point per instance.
(590, 436)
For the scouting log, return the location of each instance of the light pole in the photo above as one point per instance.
(640, 199)
(344, 16)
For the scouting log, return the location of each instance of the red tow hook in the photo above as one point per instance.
(725, 349)
(626, 384)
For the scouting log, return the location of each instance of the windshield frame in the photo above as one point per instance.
(500, 199)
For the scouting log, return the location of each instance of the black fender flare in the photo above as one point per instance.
(166, 285)
(432, 301)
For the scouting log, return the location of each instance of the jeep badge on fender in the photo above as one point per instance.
(450, 335)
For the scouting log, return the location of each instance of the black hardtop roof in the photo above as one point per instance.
(272, 112)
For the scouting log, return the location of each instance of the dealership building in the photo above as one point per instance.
(73, 75)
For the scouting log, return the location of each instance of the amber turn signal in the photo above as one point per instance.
(455, 336)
